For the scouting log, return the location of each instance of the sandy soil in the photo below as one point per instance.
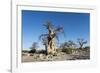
(59, 57)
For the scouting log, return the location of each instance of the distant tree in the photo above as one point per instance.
(64, 45)
(32, 51)
(69, 44)
(33, 48)
(67, 47)
(34, 45)
(81, 42)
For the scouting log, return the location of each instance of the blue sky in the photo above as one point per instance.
(75, 25)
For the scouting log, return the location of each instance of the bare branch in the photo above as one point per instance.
(42, 36)
(81, 42)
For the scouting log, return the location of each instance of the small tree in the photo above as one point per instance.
(67, 47)
(32, 51)
(81, 42)
(33, 48)
(69, 44)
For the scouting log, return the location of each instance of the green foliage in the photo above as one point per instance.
(32, 51)
(42, 52)
(33, 47)
(67, 50)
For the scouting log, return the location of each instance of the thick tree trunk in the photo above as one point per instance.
(51, 46)
(50, 42)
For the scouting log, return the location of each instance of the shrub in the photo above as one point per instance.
(32, 51)
(67, 50)
(42, 52)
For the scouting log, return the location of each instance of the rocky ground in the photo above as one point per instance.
(61, 56)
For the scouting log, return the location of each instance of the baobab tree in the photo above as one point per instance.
(48, 39)
(81, 42)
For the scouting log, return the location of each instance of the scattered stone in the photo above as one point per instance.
(42, 56)
(31, 54)
(59, 56)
